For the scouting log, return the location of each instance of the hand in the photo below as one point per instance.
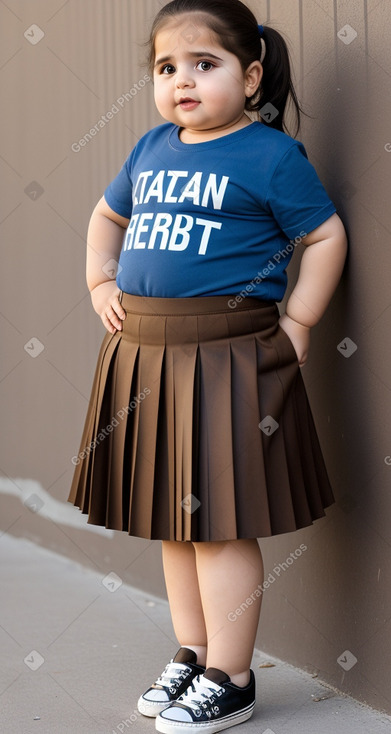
(105, 300)
(299, 336)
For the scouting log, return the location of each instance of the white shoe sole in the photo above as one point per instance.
(181, 727)
(150, 708)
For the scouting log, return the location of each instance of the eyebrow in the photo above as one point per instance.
(194, 54)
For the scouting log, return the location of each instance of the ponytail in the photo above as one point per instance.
(237, 30)
(276, 87)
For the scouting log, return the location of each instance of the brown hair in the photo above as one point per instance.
(237, 30)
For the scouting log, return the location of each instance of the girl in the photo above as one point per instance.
(199, 431)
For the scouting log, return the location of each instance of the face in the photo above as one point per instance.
(198, 85)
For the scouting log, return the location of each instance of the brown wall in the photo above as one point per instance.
(336, 596)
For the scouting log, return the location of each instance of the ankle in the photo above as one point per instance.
(241, 679)
(200, 651)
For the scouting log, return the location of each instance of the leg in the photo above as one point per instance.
(189, 625)
(229, 573)
(180, 575)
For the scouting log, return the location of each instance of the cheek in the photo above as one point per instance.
(160, 94)
(229, 97)
(229, 89)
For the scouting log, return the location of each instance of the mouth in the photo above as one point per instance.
(187, 103)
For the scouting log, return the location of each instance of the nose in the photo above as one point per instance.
(183, 79)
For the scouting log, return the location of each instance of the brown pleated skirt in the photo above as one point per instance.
(199, 426)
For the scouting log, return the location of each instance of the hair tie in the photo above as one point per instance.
(263, 44)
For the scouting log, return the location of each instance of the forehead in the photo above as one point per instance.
(186, 33)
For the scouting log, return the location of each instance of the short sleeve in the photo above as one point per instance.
(296, 197)
(119, 192)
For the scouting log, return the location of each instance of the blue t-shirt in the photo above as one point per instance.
(214, 218)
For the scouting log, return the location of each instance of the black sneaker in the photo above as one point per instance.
(174, 680)
(211, 703)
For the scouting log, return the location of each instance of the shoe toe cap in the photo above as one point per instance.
(155, 696)
(176, 713)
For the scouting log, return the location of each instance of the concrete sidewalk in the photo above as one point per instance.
(78, 649)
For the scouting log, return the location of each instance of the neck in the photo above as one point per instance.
(188, 135)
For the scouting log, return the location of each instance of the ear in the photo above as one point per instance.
(252, 78)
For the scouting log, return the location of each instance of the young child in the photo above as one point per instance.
(199, 431)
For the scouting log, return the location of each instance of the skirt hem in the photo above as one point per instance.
(188, 540)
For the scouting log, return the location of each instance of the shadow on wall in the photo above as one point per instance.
(350, 390)
(331, 614)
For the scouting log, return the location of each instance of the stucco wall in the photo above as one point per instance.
(332, 604)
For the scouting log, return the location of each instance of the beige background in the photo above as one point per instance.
(334, 602)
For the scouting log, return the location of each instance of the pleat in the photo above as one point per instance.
(292, 428)
(252, 506)
(144, 438)
(275, 375)
(184, 361)
(169, 417)
(217, 485)
(123, 404)
(98, 472)
(78, 486)
(80, 489)
(173, 446)
(320, 494)
(163, 516)
(296, 469)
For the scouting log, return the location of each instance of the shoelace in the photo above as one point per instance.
(173, 674)
(201, 693)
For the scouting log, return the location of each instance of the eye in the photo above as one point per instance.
(205, 65)
(167, 69)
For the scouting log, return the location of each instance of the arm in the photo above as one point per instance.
(104, 241)
(320, 270)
